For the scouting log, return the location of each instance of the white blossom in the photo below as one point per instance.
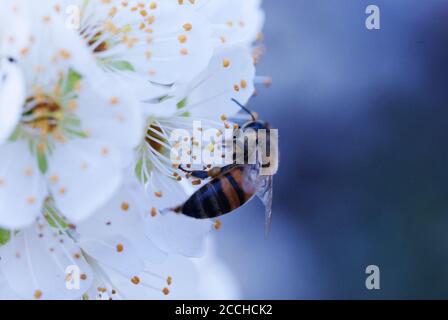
(88, 105)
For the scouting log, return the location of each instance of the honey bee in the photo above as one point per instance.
(234, 185)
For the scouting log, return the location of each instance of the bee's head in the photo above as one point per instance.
(256, 125)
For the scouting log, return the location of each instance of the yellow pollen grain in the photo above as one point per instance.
(54, 179)
(150, 20)
(226, 63)
(64, 54)
(166, 291)
(187, 27)
(114, 101)
(217, 225)
(113, 11)
(153, 212)
(158, 194)
(182, 38)
(28, 172)
(24, 52)
(169, 281)
(125, 206)
(37, 294)
(120, 248)
(72, 105)
(135, 280)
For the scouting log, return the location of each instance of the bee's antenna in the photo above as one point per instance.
(245, 109)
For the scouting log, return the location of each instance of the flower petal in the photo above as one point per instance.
(116, 253)
(14, 27)
(84, 174)
(235, 21)
(112, 114)
(171, 232)
(121, 217)
(230, 75)
(181, 46)
(12, 97)
(22, 188)
(39, 262)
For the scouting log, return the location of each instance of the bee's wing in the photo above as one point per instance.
(265, 193)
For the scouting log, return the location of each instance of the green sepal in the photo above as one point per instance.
(5, 236)
(42, 162)
(121, 65)
(71, 81)
(182, 104)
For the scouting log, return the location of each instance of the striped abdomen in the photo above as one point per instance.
(221, 195)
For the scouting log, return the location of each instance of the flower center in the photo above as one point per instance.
(99, 47)
(154, 137)
(42, 114)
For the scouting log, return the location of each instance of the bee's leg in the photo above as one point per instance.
(200, 174)
(212, 173)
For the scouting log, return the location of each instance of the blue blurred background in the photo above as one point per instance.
(363, 119)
